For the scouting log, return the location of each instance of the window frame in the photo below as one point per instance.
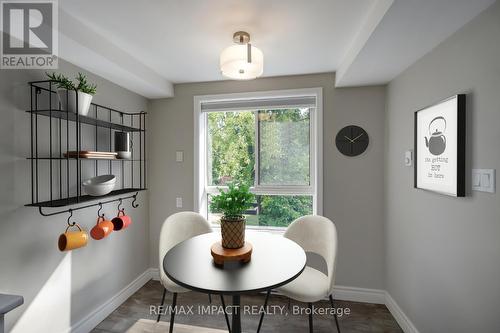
(314, 189)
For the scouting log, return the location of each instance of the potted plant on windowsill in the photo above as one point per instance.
(232, 204)
(67, 92)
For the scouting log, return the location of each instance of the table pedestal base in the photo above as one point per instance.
(236, 325)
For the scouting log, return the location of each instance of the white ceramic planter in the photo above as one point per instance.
(68, 101)
(84, 101)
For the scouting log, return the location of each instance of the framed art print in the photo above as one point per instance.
(440, 147)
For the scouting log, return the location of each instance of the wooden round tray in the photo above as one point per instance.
(222, 255)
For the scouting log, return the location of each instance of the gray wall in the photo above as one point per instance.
(353, 187)
(442, 252)
(59, 288)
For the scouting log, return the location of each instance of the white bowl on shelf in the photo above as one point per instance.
(100, 185)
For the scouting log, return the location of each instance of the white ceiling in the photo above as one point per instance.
(146, 46)
(409, 30)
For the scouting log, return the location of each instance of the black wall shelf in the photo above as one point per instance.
(59, 114)
(84, 198)
(83, 159)
(56, 180)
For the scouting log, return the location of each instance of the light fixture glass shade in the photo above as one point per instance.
(234, 62)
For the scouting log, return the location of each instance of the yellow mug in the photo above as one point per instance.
(71, 240)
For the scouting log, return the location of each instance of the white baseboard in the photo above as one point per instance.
(344, 293)
(354, 294)
(376, 296)
(94, 318)
(398, 314)
(155, 274)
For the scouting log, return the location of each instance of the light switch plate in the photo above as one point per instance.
(178, 202)
(179, 156)
(483, 180)
(476, 179)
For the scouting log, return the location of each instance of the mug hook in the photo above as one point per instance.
(99, 211)
(134, 204)
(120, 204)
(69, 218)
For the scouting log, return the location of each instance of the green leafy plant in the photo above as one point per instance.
(233, 202)
(62, 81)
(84, 86)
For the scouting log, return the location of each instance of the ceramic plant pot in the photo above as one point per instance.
(68, 101)
(233, 232)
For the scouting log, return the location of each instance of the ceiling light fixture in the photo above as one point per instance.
(242, 61)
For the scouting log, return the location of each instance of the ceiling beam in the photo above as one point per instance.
(82, 46)
(375, 16)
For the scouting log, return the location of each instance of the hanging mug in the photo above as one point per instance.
(121, 221)
(71, 240)
(102, 228)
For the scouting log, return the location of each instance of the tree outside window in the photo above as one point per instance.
(276, 143)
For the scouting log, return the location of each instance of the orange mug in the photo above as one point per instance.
(121, 221)
(71, 240)
(102, 228)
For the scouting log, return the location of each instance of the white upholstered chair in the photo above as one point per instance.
(177, 228)
(315, 234)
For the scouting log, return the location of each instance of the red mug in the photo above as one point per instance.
(121, 221)
(102, 228)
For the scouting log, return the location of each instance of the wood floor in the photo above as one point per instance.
(134, 316)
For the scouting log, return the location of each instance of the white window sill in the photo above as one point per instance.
(271, 230)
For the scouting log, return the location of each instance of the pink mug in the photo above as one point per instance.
(121, 221)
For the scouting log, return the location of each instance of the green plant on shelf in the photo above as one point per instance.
(65, 83)
(62, 81)
(233, 202)
(84, 86)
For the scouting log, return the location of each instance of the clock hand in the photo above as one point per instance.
(357, 137)
(349, 139)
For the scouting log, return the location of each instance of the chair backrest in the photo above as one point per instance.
(177, 228)
(316, 234)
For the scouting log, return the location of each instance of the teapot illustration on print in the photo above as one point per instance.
(437, 141)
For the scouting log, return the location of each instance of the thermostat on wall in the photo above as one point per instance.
(409, 158)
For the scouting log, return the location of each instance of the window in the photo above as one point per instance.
(268, 140)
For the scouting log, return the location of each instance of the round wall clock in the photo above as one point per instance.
(352, 140)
